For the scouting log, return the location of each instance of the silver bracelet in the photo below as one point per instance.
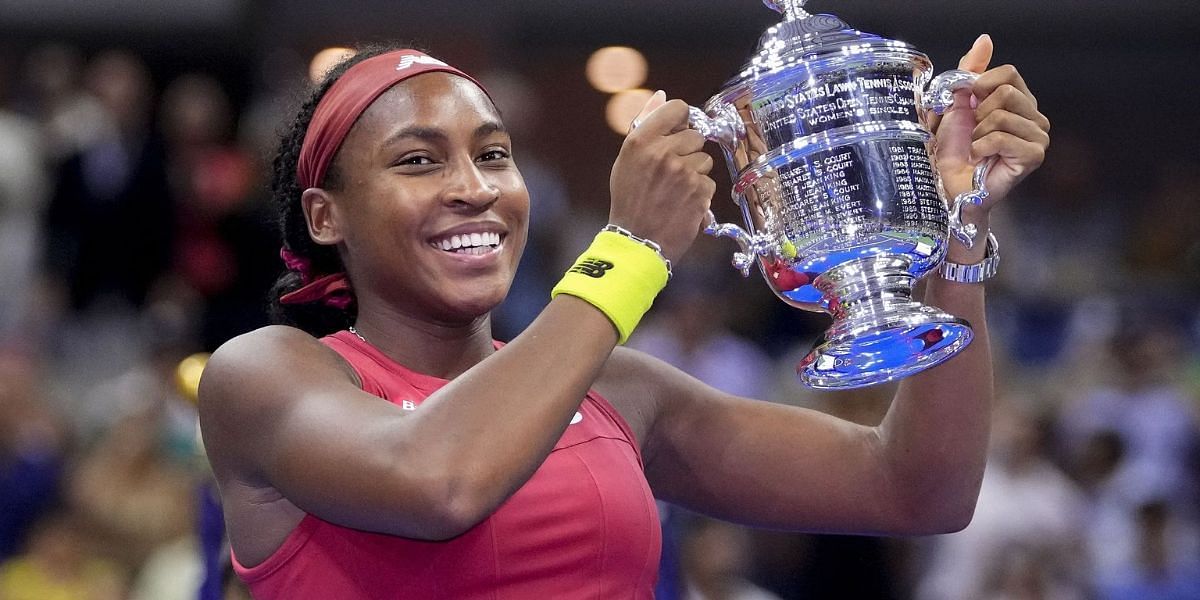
(651, 244)
(978, 272)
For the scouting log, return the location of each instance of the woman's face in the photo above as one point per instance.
(431, 210)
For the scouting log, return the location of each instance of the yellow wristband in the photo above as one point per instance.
(617, 275)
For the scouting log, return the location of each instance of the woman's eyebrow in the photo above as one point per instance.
(434, 134)
(417, 131)
(490, 127)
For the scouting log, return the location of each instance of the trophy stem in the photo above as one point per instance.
(879, 332)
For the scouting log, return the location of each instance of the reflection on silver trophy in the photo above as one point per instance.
(843, 211)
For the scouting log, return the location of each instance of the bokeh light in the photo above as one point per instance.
(325, 60)
(616, 69)
(187, 375)
(623, 107)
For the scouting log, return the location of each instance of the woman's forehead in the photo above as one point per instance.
(431, 99)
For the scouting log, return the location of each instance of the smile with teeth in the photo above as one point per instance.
(469, 243)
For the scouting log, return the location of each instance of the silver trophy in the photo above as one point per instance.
(844, 212)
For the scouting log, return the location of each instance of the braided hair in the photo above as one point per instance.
(317, 318)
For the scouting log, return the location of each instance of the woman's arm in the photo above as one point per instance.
(917, 472)
(280, 409)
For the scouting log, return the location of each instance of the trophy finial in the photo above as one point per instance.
(791, 9)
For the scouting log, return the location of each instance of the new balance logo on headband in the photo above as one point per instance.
(592, 267)
(409, 60)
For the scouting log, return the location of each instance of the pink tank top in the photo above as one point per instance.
(584, 526)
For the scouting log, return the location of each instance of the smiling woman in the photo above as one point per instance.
(315, 293)
(380, 444)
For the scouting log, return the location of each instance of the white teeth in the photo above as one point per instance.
(470, 243)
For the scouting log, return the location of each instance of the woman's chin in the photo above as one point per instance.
(466, 308)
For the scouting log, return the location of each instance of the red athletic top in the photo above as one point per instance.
(584, 526)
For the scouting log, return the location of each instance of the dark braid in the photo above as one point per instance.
(316, 318)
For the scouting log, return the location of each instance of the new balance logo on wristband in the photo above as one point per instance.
(592, 267)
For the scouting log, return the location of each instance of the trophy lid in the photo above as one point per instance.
(804, 45)
(802, 31)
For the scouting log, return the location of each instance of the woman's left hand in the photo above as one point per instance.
(1004, 123)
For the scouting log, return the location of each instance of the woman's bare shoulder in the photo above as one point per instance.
(253, 379)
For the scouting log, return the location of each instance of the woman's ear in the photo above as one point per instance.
(321, 214)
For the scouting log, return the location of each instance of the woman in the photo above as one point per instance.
(530, 471)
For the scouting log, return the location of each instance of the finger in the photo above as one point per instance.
(993, 79)
(656, 100)
(932, 121)
(1010, 99)
(1006, 122)
(976, 59)
(1018, 154)
(700, 162)
(707, 189)
(665, 119)
(686, 141)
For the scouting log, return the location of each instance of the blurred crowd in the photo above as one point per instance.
(136, 230)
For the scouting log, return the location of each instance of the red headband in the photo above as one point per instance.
(348, 97)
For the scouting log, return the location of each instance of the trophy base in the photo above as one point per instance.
(879, 333)
(883, 354)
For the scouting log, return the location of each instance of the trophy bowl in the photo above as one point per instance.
(832, 168)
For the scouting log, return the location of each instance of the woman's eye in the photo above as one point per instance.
(415, 160)
(496, 154)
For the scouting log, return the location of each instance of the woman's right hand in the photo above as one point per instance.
(659, 183)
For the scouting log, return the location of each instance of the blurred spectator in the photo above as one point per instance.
(129, 495)
(108, 231)
(210, 177)
(1146, 404)
(33, 449)
(60, 564)
(1164, 235)
(715, 558)
(1023, 573)
(71, 118)
(1167, 563)
(1025, 540)
(23, 196)
(688, 330)
(146, 387)
(110, 219)
(226, 246)
(1065, 252)
(172, 572)
(1109, 528)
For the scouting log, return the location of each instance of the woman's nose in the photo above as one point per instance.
(471, 187)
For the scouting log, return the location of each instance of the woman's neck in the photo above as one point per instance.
(439, 349)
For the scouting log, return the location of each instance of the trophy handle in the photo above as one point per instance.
(726, 128)
(939, 98)
(751, 246)
(967, 232)
(940, 95)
